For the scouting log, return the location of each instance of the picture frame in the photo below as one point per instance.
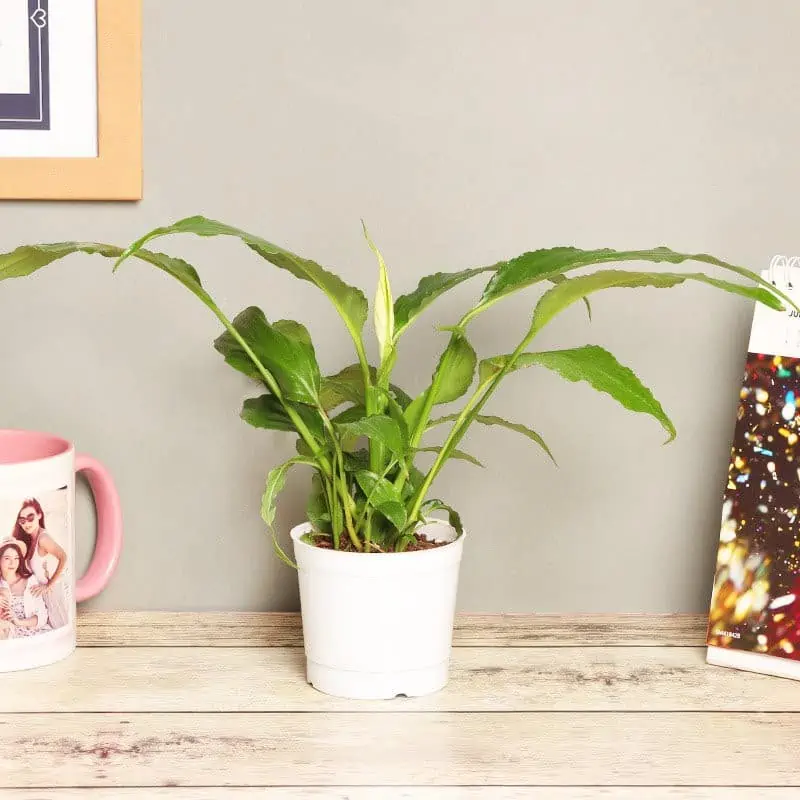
(109, 107)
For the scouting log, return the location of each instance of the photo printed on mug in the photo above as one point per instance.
(35, 565)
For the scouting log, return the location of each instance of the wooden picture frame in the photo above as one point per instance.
(116, 172)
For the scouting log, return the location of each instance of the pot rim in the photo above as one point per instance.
(304, 527)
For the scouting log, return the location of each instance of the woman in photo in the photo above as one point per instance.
(20, 606)
(46, 560)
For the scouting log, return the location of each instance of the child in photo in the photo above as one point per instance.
(26, 610)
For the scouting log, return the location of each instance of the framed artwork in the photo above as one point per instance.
(70, 100)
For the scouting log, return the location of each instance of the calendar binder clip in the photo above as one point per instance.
(776, 262)
(793, 263)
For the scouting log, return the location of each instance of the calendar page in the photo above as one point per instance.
(755, 601)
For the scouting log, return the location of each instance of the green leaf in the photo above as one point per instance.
(350, 414)
(394, 512)
(564, 294)
(380, 428)
(539, 265)
(408, 307)
(603, 372)
(395, 411)
(284, 348)
(400, 397)
(556, 279)
(303, 449)
(267, 412)
(349, 301)
(25, 260)
(276, 480)
(383, 496)
(383, 311)
(415, 479)
(455, 371)
(293, 330)
(453, 516)
(413, 411)
(356, 460)
(451, 379)
(459, 455)
(347, 386)
(484, 419)
(28, 259)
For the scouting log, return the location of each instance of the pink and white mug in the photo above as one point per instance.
(39, 590)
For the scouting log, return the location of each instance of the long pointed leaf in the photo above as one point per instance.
(349, 301)
(378, 427)
(452, 377)
(267, 412)
(28, 259)
(382, 495)
(556, 279)
(453, 516)
(539, 265)
(347, 386)
(408, 307)
(284, 348)
(518, 427)
(276, 480)
(459, 455)
(456, 369)
(413, 411)
(564, 294)
(600, 370)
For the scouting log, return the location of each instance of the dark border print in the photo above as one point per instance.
(32, 111)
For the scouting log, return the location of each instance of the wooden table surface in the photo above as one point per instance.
(178, 706)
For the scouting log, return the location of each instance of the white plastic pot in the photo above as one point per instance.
(379, 625)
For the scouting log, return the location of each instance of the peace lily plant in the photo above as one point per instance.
(362, 435)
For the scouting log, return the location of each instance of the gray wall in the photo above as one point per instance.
(463, 132)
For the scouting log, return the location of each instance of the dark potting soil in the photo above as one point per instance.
(345, 545)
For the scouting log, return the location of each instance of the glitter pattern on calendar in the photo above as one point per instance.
(755, 603)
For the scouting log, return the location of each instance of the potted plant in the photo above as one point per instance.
(378, 571)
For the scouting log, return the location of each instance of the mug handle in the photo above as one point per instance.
(109, 528)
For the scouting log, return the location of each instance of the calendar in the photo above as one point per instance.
(754, 615)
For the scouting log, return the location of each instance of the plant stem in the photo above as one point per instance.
(442, 455)
(332, 506)
(375, 450)
(368, 530)
(425, 413)
(473, 407)
(340, 484)
(347, 499)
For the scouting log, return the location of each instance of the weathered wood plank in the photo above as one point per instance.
(172, 679)
(606, 749)
(408, 793)
(251, 629)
